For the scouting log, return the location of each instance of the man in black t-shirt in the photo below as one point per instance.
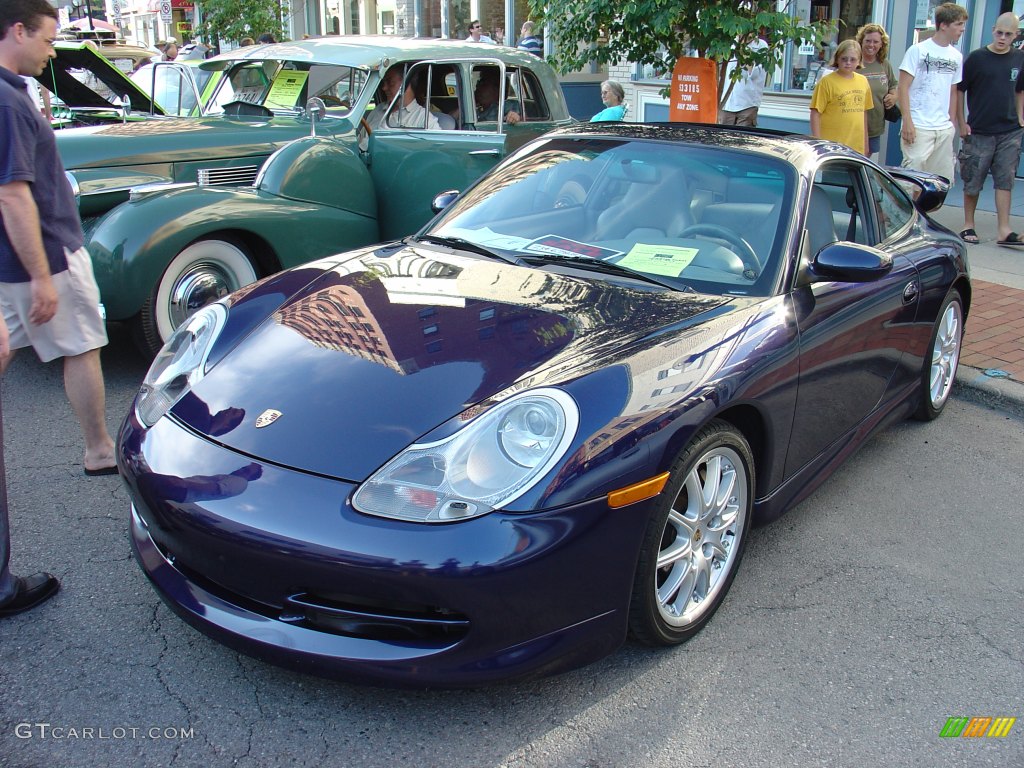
(991, 127)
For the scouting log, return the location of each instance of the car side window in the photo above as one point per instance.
(836, 207)
(487, 87)
(892, 206)
(524, 88)
(434, 106)
(173, 91)
(437, 90)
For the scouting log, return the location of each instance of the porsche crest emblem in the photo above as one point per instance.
(267, 418)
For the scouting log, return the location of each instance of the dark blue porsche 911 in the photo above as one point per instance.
(491, 450)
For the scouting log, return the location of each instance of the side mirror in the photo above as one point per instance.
(443, 200)
(927, 190)
(316, 110)
(847, 262)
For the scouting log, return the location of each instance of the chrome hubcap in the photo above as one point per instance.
(194, 289)
(945, 355)
(700, 541)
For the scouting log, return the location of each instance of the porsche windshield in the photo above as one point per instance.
(707, 217)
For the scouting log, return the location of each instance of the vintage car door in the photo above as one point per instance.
(852, 335)
(172, 86)
(411, 165)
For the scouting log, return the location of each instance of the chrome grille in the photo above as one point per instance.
(245, 174)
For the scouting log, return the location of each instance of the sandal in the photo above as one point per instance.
(1011, 239)
(970, 237)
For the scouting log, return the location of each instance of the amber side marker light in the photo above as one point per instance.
(631, 494)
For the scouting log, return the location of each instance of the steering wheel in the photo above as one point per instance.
(743, 249)
(365, 125)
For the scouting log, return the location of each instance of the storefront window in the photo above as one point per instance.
(806, 64)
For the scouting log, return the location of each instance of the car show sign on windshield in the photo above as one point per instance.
(284, 93)
(667, 260)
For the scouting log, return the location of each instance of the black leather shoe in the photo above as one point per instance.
(32, 590)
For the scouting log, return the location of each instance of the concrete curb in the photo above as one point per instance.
(1001, 393)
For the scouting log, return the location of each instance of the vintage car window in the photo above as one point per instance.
(487, 79)
(524, 88)
(892, 205)
(635, 204)
(436, 93)
(285, 87)
(171, 86)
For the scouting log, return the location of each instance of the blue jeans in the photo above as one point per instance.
(7, 581)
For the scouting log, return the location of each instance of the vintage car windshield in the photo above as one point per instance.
(284, 87)
(171, 85)
(684, 214)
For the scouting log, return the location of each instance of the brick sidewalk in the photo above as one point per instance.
(995, 329)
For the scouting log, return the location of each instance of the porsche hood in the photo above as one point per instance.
(378, 351)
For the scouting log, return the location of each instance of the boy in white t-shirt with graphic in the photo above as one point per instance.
(927, 94)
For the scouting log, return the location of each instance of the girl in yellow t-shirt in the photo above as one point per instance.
(841, 101)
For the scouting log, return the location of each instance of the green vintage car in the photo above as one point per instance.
(88, 89)
(176, 216)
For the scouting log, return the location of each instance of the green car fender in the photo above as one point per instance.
(132, 245)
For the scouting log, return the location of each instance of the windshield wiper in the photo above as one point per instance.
(468, 245)
(600, 265)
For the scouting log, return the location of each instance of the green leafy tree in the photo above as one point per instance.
(657, 32)
(234, 19)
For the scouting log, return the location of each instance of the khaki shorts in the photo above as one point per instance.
(745, 117)
(76, 328)
(931, 152)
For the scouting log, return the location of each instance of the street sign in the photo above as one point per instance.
(165, 10)
(694, 94)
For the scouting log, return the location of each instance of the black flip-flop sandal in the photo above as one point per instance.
(1011, 239)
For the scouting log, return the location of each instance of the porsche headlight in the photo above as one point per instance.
(180, 364)
(489, 463)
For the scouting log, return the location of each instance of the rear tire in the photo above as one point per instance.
(939, 370)
(694, 543)
(203, 272)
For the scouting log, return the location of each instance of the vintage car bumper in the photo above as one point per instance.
(277, 564)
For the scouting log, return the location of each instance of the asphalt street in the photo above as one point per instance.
(859, 623)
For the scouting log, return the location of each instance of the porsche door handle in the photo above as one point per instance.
(488, 152)
(910, 292)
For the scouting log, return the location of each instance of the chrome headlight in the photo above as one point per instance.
(492, 461)
(180, 364)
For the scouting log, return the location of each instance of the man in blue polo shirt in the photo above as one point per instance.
(48, 295)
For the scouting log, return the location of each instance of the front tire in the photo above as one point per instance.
(940, 366)
(694, 542)
(203, 272)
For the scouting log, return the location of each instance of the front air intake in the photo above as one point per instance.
(226, 177)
